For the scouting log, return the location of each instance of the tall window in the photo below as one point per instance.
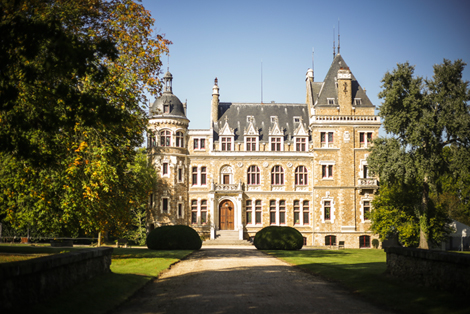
(277, 175)
(365, 171)
(226, 143)
(251, 144)
(249, 212)
(258, 212)
(301, 144)
(194, 211)
(272, 212)
(165, 169)
(365, 137)
(276, 144)
(253, 175)
(327, 171)
(151, 200)
(326, 138)
(180, 210)
(165, 205)
(203, 212)
(180, 175)
(203, 175)
(199, 143)
(179, 139)
(306, 212)
(301, 175)
(282, 212)
(366, 208)
(296, 212)
(194, 176)
(364, 241)
(327, 210)
(330, 240)
(165, 138)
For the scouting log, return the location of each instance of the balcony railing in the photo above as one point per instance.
(367, 183)
(227, 187)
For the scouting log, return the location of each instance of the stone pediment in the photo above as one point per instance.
(301, 129)
(250, 129)
(276, 130)
(226, 129)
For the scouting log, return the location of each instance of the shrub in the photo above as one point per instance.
(278, 238)
(375, 243)
(178, 237)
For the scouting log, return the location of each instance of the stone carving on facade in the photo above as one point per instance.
(240, 164)
(265, 164)
(346, 136)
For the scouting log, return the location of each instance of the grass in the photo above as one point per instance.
(131, 270)
(362, 272)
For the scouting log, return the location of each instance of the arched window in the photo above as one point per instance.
(364, 241)
(277, 175)
(301, 175)
(165, 138)
(330, 240)
(179, 139)
(253, 175)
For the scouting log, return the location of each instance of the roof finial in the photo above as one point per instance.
(334, 48)
(313, 68)
(216, 81)
(261, 80)
(338, 35)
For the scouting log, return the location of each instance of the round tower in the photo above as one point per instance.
(168, 152)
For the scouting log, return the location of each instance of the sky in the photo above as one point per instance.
(234, 40)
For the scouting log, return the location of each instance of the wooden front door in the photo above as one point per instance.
(226, 215)
(226, 179)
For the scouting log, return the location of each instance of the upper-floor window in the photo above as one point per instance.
(226, 143)
(165, 205)
(203, 175)
(327, 210)
(301, 144)
(165, 138)
(366, 210)
(365, 171)
(194, 176)
(253, 175)
(166, 108)
(331, 101)
(199, 143)
(179, 139)
(357, 101)
(277, 175)
(365, 138)
(327, 171)
(165, 169)
(301, 175)
(180, 175)
(251, 144)
(199, 177)
(326, 138)
(276, 144)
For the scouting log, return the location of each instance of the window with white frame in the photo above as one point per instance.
(331, 101)
(306, 212)
(251, 143)
(165, 138)
(165, 205)
(327, 209)
(194, 176)
(282, 212)
(357, 101)
(326, 139)
(365, 138)
(276, 143)
(365, 171)
(327, 171)
(249, 212)
(180, 211)
(272, 212)
(301, 175)
(226, 143)
(203, 212)
(253, 175)
(258, 212)
(194, 211)
(199, 175)
(165, 169)
(277, 175)
(166, 108)
(365, 210)
(199, 144)
(296, 212)
(203, 176)
(301, 144)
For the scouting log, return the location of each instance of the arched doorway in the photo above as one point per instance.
(226, 215)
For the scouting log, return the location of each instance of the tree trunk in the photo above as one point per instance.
(423, 237)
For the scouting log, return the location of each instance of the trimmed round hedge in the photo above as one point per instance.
(278, 238)
(177, 237)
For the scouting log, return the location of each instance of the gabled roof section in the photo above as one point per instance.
(226, 129)
(329, 90)
(276, 130)
(301, 129)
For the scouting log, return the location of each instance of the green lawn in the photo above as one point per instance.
(131, 270)
(362, 272)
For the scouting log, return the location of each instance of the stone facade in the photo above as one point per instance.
(300, 165)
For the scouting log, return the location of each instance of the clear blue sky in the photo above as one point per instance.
(228, 40)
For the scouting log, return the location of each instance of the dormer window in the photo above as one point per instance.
(331, 101)
(166, 108)
(296, 119)
(357, 101)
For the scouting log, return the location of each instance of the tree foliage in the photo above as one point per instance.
(429, 120)
(73, 78)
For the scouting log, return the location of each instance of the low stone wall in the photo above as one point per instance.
(28, 282)
(436, 269)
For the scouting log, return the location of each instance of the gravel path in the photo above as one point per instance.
(241, 280)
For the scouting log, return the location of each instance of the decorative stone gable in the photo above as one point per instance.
(226, 129)
(250, 129)
(301, 129)
(275, 129)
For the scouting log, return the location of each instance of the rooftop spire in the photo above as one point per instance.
(334, 48)
(338, 35)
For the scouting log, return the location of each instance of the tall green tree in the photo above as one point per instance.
(71, 114)
(423, 117)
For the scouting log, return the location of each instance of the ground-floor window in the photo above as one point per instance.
(282, 212)
(305, 240)
(330, 240)
(306, 212)
(203, 212)
(364, 241)
(272, 212)
(194, 211)
(258, 211)
(249, 212)
(296, 212)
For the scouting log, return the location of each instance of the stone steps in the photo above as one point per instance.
(227, 237)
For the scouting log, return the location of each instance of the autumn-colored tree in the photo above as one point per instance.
(424, 118)
(73, 82)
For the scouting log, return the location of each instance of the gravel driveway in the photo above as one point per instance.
(241, 280)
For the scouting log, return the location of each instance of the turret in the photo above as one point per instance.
(215, 103)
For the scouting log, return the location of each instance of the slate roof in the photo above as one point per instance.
(328, 87)
(237, 114)
(176, 107)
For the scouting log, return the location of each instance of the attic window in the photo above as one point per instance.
(273, 119)
(357, 101)
(331, 101)
(250, 118)
(296, 119)
(166, 108)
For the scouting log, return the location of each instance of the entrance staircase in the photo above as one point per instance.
(228, 238)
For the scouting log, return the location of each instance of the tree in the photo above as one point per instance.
(424, 116)
(73, 78)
